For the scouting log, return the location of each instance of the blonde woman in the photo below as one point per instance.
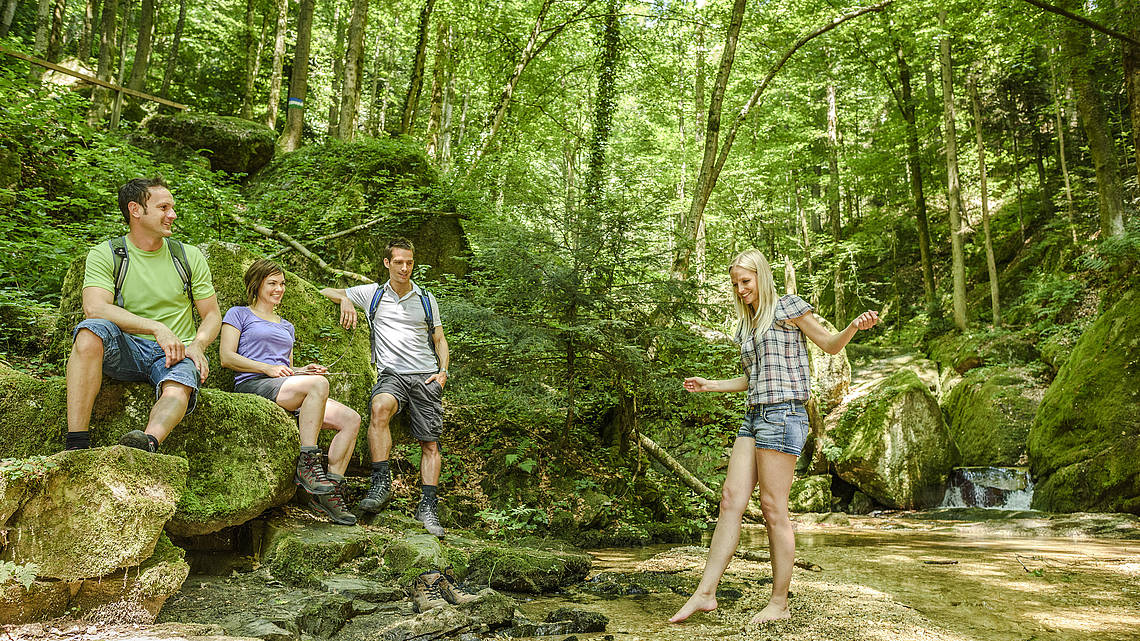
(771, 331)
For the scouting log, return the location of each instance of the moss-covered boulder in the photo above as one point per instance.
(989, 413)
(531, 570)
(413, 554)
(1084, 446)
(811, 494)
(83, 514)
(231, 144)
(305, 553)
(830, 373)
(891, 442)
(963, 351)
(240, 449)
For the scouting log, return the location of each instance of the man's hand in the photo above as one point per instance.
(172, 346)
(278, 371)
(866, 320)
(440, 378)
(347, 314)
(198, 357)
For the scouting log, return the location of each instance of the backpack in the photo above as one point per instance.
(122, 261)
(424, 300)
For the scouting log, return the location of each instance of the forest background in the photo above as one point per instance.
(971, 167)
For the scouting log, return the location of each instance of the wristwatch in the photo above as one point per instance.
(444, 372)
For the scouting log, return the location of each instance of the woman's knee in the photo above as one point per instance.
(733, 501)
(775, 509)
(318, 386)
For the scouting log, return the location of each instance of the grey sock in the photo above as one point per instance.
(310, 448)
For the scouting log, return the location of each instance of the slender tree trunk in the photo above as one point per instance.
(1017, 182)
(802, 218)
(833, 200)
(9, 14)
(604, 105)
(438, 87)
(172, 57)
(252, 57)
(87, 28)
(1130, 20)
(445, 129)
(958, 267)
(1060, 123)
(142, 47)
(55, 40)
(353, 71)
(338, 75)
(699, 83)
(299, 83)
(461, 135)
(100, 96)
(279, 62)
(991, 265)
(415, 84)
(1075, 40)
(914, 167)
(117, 105)
(43, 34)
(374, 85)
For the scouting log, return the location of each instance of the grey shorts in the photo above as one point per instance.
(265, 386)
(424, 402)
(780, 426)
(129, 358)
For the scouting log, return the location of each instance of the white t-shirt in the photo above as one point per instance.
(402, 343)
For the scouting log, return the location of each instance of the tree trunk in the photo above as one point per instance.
(1130, 20)
(1017, 182)
(338, 75)
(1075, 41)
(253, 44)
(914, 168)
(279, 62)
(142, 47)
(415, 84)
(353, 71)
(1060, 124)
(55, 39)
(117, 105)
(991, 266)
(299, 82)
(699, 83)
(833, 200)
(958, 267)
(43, 34)
(373, 90)
(692, 482)
(604, 105)
(438, 87)
(445, 127)
(9, 14)
(172, 57)
(100, 96)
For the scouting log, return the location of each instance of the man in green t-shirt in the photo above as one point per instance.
(143, 328)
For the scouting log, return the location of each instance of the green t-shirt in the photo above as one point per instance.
(152, 288)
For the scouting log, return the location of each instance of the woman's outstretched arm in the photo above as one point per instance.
(698, 384)
(832, 343)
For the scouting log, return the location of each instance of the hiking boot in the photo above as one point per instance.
(427, 513)
(379, 491)
(333, 506)
(452, 590)
(425, 593)
(311, 475)
(138, 440)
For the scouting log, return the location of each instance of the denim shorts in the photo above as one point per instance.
(780, 426)
(128, 358)
(424, 402)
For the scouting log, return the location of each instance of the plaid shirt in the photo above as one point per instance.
(783, 373)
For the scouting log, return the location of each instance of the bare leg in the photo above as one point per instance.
(738, 485)
(384, 407)
(169, 409)
(775, 471)
(84, 378)
(430, 463)
(306, 395)
(346, 422)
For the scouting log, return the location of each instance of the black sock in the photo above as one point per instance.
(428, 494)
(78, 440)
(153, 443)
(381, 467)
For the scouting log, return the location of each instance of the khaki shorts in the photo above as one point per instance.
(422, 401)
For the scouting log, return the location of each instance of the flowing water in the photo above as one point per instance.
(892, 578)
(1002, 488)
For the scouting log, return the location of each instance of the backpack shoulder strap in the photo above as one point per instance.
(371, 319)
(182, 266)
(426, 302)
(121, 259)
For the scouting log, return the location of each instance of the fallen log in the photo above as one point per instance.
(693, 483)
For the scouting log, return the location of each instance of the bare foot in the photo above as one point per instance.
(696, 603)
(771, 612)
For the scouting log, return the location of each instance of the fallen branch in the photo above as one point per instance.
(749, 555)
(692, 482)
(1085, 21)
(366, 225)
(304, 251)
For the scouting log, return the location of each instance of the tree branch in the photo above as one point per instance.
(692, 482)
(365, 225)
(304, 251)
(1083, 20)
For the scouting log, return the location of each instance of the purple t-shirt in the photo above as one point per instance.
(261, 340)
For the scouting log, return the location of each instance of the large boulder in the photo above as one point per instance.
(811, 494)
(1084, 446)
(87, 513)
(964, 351)
(304, 553)
(240, 449)
(519, 569)
(231, 144)
(989, 413)
(889, 440)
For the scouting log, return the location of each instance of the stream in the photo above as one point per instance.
(893, 578)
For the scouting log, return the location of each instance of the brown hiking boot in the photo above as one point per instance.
(452, 590)
(310, 475)
(426, 591)
(333, 506)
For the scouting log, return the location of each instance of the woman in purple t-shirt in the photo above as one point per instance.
(258, 344)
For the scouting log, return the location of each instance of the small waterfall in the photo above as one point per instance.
(1002, 488)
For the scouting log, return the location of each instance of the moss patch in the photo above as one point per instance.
(519, 569)
(231, 144)
(989, 414)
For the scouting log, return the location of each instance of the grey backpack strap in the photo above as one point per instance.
(119, 272)
(182, 266)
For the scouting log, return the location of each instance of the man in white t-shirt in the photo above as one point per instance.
(411, 357)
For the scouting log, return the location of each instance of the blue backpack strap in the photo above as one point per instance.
(371, 319)
(119, 272)
(426, 302)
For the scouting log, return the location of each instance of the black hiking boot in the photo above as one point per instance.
(425, 592)
(333, 506)
(379, 491)
(427, 513)
(311, 475)
(139, 440)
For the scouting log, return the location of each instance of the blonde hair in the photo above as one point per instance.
(766, 297)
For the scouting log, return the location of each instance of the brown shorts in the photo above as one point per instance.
(423, 402)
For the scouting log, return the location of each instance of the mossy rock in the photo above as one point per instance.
(1084, 446)
(231, 144)
(85, 514)
(241, 450)
(412, 554)
(892, 443)
(989, 413)
(305, 553)
(963, 351)
(811, 494)
(519, 569)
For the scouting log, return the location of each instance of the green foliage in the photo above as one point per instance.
(24, 574)
(33, 467)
